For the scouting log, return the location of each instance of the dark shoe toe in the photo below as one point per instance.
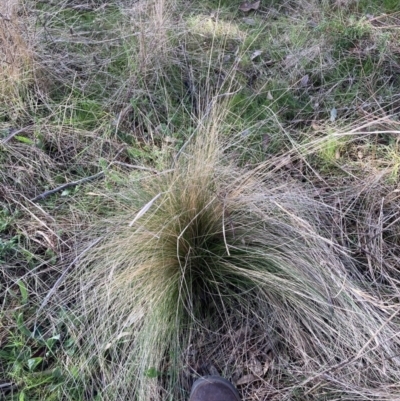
(213, 388)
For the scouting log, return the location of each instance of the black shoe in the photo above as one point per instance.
(213, 388)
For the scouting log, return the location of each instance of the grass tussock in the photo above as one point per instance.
(210, 251)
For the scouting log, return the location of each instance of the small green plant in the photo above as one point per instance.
(8, 247)
(26, 355)
(346, 33)
(29, 355)
(379, 5)
(393, 161)
(332, 147)
(5, 219)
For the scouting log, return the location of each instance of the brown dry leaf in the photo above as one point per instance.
(266, 141)
(304, 81)
(170, 140)
(267, 364)
(249, 21)
(242, 333)
(246, 6)
(315, 126)
(246, 379)
(213, 370)
(255, 366)
(283, 162)
(255, 54)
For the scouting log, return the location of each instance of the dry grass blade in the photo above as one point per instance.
(144, 209)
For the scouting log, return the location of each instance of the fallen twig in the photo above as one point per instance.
(67, 185)
(7, 387)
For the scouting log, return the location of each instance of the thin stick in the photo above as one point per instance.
(7, 386)
(67, 185)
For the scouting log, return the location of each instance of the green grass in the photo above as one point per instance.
(387, 6)
(256, 154)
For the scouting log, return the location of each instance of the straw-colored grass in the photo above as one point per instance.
(16, 61)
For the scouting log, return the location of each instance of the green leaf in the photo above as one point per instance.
(152, 373)
(23, 290)
(74, 371)
(103, 164)
(24, 139)
(34, 362)
(51, 341)
(6, 355)
(21, 326)
(56, 373)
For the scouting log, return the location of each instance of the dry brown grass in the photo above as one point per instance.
(17, 56)
(154, 27)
